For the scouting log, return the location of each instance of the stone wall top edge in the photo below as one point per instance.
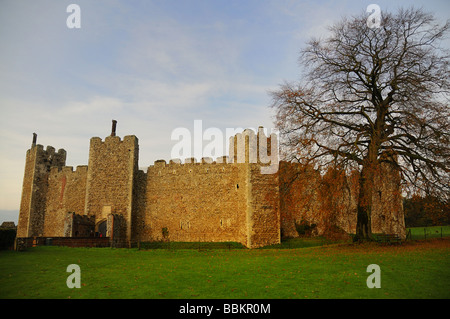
(203, 162)
(49, 149)
(250, 132)
(69, 169)
(126, 138)
(175, 162)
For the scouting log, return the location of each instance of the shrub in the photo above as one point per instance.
(7, 237)
(304, 227)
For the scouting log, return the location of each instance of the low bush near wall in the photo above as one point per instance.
(7, 237)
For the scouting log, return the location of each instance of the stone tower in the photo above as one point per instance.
(259, 153)
(35, 185)
(113, 164)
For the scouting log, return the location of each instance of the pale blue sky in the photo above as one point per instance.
(152, 65)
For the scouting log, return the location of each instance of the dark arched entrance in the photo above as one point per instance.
(101, 229)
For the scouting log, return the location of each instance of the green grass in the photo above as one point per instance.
(429, 232)
(301, 242)
(418, 269)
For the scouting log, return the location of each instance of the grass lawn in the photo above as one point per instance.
(418, 269)
(429, 232)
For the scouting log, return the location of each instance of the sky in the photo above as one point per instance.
(154, 66)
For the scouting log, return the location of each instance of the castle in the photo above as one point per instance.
(229, 199)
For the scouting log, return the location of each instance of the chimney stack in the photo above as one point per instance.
(113, 130)
(34, 139)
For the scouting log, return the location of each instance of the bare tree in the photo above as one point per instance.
(370, 95)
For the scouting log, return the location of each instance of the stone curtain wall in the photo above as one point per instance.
(226, 200)
(206, 201)
(330, 201)
(66, 193)
(192, 202)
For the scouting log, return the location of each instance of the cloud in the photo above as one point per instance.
(97, 104)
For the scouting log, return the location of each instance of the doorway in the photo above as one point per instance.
(101, 229)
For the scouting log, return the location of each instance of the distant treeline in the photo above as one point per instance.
(426, 211)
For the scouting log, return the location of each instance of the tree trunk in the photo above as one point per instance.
(366, 186)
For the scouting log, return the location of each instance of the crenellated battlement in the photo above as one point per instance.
(113, 140)
(80, 169)
(254, 147)
(47, 154)
(191, 161)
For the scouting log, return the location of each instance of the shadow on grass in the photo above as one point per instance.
(304, 242)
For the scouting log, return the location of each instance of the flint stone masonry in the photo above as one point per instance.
(330, 201)
(35, 187)
(207, 200)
